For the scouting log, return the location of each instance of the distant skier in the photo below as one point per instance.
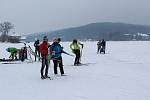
(23, 53)
(44, 54)
(76, 50)
(13, 53)
(56, 50)
(103, 46)
(37, 51)
(98, 46)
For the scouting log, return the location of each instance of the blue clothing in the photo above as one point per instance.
(56, 50)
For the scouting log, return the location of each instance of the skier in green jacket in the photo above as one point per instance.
(75, 47)
(13, 53)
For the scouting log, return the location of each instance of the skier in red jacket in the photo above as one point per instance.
(44, 55)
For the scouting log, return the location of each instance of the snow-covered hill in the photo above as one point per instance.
(123, 73)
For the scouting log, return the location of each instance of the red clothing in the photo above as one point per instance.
(44, 49)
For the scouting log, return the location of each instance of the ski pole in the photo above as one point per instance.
(81, 54)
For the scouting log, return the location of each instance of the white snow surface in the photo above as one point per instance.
(123, 73)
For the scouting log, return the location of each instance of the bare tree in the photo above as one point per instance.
(5, 29)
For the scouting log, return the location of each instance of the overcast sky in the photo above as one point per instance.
(31, 16)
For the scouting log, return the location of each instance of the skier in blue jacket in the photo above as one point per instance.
(56, 50)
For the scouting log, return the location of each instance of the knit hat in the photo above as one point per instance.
(59, 39)
(45, 38)
(75, 41)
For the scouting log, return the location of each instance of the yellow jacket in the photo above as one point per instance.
(74, 46)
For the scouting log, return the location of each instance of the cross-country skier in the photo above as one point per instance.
(44, 54)
(98, 46)
(37, 51)
(23, 53)
(103, 46)
(56, 50)
(76, 50)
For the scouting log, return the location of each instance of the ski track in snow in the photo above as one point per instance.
(123, 73)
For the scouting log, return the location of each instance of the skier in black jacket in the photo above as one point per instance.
(103, 46)
(37, 51)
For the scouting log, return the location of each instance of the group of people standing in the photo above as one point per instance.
(54, 52)
(46, 52)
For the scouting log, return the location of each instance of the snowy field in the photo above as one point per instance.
(123, 73)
